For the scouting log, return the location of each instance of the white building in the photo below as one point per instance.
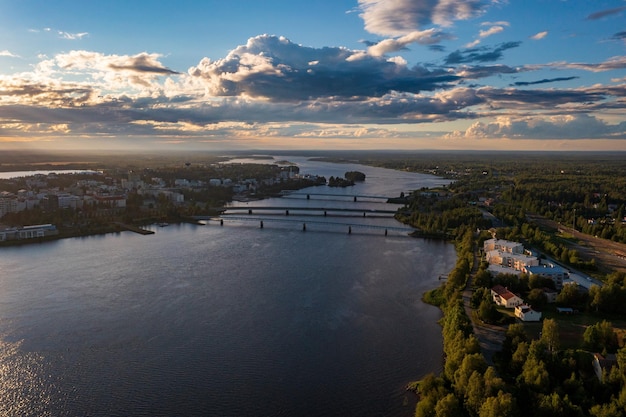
(501, 245)
(512, 260)
(525, 313)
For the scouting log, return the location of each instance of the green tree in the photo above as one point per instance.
(553, 405)
(550, 335)
(448, 406)
(502, 405)
(600, 337)
(537, 298)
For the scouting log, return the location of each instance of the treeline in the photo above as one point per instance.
(433, 214)
(585, 190)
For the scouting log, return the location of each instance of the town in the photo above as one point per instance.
(86, 202)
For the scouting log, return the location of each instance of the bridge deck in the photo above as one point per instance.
(296, 209)
(404, 229)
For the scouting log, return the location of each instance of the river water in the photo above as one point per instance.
(229, 320)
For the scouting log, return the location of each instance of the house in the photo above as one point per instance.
(525, 313)
(505, 298)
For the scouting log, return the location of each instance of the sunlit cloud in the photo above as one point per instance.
(579, 126)
(400, 17)
(272, 87)
(425, 37)
(8, 53)
(540, 35)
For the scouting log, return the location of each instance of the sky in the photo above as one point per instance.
(327, 74)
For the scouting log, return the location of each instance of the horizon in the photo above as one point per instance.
(382, 75)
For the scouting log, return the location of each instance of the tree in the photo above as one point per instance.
(502, 405)
(553, 405)
(550, 335)
(488, 312)
(570, 295)
(448, 406)
(600, 337)
(537, 298)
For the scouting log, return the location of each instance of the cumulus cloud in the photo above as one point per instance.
(269, 67)
(578, 126)
(270, 83)
(400, 17)
(540, 35)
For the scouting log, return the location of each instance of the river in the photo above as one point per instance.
(229, 320)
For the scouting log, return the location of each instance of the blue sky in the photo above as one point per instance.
(360, 74)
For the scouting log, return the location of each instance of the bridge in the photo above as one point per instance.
(353, 197)
(292, 209)
(349, 227)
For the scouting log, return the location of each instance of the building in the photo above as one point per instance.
(525, 313)
(501, 245)
(28, 232)
(505, 298)
(554, 272)
(517, 261)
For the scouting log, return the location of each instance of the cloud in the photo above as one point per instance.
(544, 81)
(8, 54)
(270, 67)
(580, 126)
(271, 83)
(615, 63)
(483, 54)
(604, 13)
(619, 36)
(425, 37)
(491, 31)
(540, 35)
(400, 17)
(72, 36)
